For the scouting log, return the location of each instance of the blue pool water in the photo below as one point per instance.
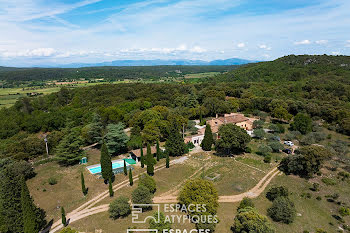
(115, 165)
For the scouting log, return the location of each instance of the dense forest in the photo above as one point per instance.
(316, 85)
(107, 72)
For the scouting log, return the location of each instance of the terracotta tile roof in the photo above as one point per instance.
(233, 119)
(137, 152)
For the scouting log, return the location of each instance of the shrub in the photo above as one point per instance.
(329, 181)
(264, 150)
(246, 202)
(291, 135)
(141, 195)
(209, 227)
(259, 133)
(148, 182)
(200, 191)
(307, 163)
(343, 211)
(52, 181)
(318, 198)
(274, 192)
(258, 124)
(68, 230)
(249, 220)
(190, 145)
(315, 187)
(161, 225)
(319, 230)
(267, 158)
(276, 146)
(120, 207)
(344, 175)
(282, 210)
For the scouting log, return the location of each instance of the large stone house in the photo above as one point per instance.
(232, 118)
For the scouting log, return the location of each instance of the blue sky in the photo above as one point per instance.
(46, 32)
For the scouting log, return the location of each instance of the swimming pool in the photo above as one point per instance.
(96, 169)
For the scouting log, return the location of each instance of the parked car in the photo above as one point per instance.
(276, 138)
(289, 143)
(287, 151)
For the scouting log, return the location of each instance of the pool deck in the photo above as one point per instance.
(99, 165)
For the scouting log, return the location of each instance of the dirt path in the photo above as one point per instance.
(252, 193)
(87, 208)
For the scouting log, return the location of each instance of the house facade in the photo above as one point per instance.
(238, 119)
(195, 139)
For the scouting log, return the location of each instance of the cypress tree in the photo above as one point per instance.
(125, 170)
(208, 140)
(131, 180)
(28, 210)
(175, 144)
(110, 188)
(106, 163)
(149, 161)
(142, 158)
(63, 213)
(167, 161)
(83, 188)
(158, 151)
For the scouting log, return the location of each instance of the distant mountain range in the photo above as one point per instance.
(159, 62)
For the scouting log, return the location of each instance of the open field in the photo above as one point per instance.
(8, 96)
(201, 75)
(235, 177)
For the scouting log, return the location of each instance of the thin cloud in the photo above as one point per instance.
(321, 42)
(303, 42)
(264, 46)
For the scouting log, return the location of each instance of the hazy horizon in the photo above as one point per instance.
(41, 32)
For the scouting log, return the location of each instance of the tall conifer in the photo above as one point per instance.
(142, 158)
(167, 162)
(125, 169)
(110, 188)
(158, 151)
(28, 210)
(106, 163)
(63, 214)
(150, 161)
(208, 140)
(131, 180)
(83, 188)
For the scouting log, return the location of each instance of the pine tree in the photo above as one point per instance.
(131, 180)
(28, 210)
(106, 163)
(69, 150)
(116, 139)
(167, 161)
(63, 213)
(175, 144)
(83, 188)
(110, 188)
(11, 211)
(149, 161)
(125, 170)
(158, 151)
(208, 140)
(142, 158)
